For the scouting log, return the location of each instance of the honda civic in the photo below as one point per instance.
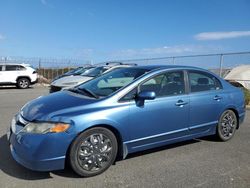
(121, 112)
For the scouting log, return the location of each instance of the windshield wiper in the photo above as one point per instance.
(89, 92)
(74, 90)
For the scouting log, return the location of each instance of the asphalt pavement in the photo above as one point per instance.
(202, 162)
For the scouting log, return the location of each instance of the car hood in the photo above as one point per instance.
(70, 79)
(45, 107)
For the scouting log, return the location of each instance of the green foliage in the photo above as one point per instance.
(247, 96)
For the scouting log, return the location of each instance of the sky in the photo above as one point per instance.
(100, 30)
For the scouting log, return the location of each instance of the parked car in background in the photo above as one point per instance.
(239, 76)
(123, 111)
(72, 81)
(74, 72)
(21, 75)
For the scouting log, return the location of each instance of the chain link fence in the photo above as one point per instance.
(221, 64)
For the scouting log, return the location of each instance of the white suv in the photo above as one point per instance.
(21, 75)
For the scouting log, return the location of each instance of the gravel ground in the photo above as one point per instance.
(197, 163)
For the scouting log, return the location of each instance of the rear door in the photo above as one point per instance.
(1, 74)
(206, 101)
(12, 72)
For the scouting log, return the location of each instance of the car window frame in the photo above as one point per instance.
(155, 75)
(205, 73)
(11, 66)
(21, 68)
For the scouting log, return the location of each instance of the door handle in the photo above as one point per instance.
(181, 103)
(217, 97)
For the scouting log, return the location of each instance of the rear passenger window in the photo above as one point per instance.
(167, 84)
(1, 67)
(21, 68)
(201, 81)
(14, 68)
(11, 67)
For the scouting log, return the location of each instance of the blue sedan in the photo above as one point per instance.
(121, 112)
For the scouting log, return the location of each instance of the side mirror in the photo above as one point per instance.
(146, 95)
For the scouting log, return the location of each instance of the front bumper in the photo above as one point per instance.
(40, 152)
(34, 82)
(42, 165)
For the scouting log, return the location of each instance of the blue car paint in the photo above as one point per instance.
(141, 118)
(139, 127)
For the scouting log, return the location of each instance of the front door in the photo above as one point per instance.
(163, 119)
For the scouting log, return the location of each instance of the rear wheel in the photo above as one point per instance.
(23, 83)
(227, 125)
(93, 152)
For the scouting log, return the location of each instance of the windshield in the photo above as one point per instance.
(72, 71)
(112, 81)
(95, 72)
(78, 71)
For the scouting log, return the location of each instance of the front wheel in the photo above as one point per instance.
(23, 83)
(93, 152)
(227, 125)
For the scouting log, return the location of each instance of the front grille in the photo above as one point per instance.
(54, 89)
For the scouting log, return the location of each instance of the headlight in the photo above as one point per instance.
(70, 83)
(42, 128)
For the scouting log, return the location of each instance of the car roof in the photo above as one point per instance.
(23, 64)
(114, 66)
(154, 67)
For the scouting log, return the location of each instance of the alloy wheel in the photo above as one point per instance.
(94, 152)
(227, 125)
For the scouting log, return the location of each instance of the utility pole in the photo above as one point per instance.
(221, 63)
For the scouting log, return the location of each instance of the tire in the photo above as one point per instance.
(227, 125)
(23, 83)
(93, 152)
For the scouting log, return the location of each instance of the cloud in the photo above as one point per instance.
(162, 51)
(84, 53)
(221, 35)
(44, 2)
(2, 37)
(47, 3)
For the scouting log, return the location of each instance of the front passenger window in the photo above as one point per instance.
(167, 84)
(130, 95)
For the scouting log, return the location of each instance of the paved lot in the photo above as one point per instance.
(197, 163)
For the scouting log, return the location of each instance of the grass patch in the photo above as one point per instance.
(247, 96)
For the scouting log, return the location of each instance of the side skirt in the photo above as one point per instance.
(130, 147)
